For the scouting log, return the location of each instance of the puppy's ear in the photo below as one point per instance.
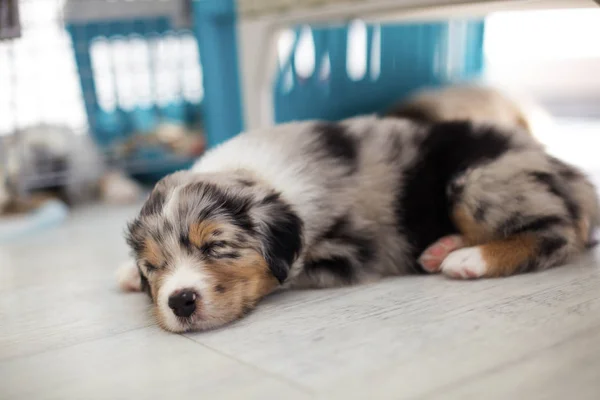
(128, 277)
(281, 231)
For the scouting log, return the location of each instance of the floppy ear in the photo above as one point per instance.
(281, 233)
(128, 277)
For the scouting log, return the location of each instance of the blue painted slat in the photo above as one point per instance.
(215, 27)
(412, 55)
(110, 127)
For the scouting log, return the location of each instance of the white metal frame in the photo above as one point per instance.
(98, 10)
(257, 33)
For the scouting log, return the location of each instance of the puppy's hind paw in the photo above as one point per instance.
(434, 255)
(466, 263)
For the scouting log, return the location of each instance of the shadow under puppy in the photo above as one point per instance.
(322, 204)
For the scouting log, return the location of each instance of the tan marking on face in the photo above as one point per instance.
(199, 233)
(504, 257)
(242, 282)
(237, 283)
(473, 232)
(152, 253)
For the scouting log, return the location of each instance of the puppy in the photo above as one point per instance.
(323, 204)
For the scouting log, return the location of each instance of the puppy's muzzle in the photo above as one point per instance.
(183, 302)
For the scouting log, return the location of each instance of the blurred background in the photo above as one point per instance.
(101, 97)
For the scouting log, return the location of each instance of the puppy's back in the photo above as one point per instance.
(474, 103)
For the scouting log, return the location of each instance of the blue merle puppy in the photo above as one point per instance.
(322, 204)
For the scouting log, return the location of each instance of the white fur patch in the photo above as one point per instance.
(465, 263)
(171, 205)
(128, 277)
(183, 277)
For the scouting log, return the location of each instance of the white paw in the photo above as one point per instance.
(128, 277)
(464, 264)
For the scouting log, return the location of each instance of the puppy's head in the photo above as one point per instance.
(209, 247)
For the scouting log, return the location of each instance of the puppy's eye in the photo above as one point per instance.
(216, 249)
(210, 248)
(150, 267)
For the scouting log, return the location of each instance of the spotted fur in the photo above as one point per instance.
(468, 102)
(321, 204)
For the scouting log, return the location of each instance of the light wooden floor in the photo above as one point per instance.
(66, 333)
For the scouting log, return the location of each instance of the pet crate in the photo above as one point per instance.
(359, 68)
(353, 67)
(138, 67)
(118, 71)
(415, 42)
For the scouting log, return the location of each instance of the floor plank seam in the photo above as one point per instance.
(282, 379)
(85, 341)
(507, 364)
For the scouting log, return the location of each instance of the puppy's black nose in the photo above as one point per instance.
(183, 302)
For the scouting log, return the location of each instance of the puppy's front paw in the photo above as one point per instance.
(128, 277)
(434, 255)
(466, 263)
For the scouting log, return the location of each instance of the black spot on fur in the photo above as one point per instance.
(548, 245)
(344, 235)
(528, 266)
(342, 232)
(338, 228)
(217, 232)
(559, 190)
(154, 204)
(184, 240)
(168, 227)
(220, 288)
(337, 143)
(422, 204)
(219, 201)
(519, 224)
(340, 267)
(282, 238)
(134, 240)
(481, 210)
(272, 198)
(411, 112)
